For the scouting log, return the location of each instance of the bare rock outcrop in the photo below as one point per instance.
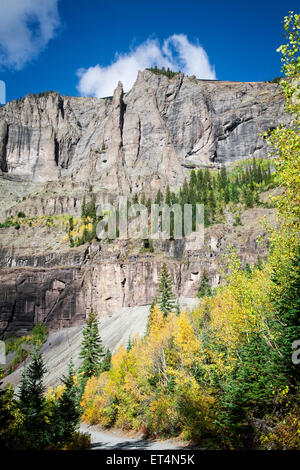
(140, 140)
(59, 289)
(56, 149)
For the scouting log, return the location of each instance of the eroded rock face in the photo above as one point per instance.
(61, 290)
(56, 149)
(141, 140)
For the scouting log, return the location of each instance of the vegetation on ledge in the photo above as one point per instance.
(168, 73)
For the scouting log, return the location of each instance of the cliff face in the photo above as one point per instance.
(59, 288)
(54, 149)
(141, 140)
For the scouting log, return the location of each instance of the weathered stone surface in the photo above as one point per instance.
(141, 140)
(56, 149)
(60, 291)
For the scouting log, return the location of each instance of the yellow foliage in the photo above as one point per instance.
(136, 391)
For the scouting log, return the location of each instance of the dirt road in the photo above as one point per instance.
(116, 440)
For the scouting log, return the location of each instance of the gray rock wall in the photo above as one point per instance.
(61, 289)
(142, 140)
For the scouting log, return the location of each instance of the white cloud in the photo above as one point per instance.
(26, 26)
(177, 53)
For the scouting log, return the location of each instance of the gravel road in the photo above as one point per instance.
(117, 440)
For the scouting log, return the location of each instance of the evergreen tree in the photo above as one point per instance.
(32, 404)
(248, 269)
(83, 208)
(159, 197)
(31, 392)
(168, 196)
(223, 178)
(129, 344)
(10, 418)
(166, 300)
(148, 205)
(91, 347)
(91, 208)
(193, 179)
(106, 362)
(204, 288)
(66, 412)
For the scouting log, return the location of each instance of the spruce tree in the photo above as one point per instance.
(168, 199)
(166, 299)
(31, 392)
(204, 288)
(129, 344)
(32, 404)
(106, 362)
(91, 347)
(66, 411)
(9, 417)
(159, 197)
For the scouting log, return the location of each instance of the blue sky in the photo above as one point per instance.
(43, 43)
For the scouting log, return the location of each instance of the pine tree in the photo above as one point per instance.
(91, 347)
(83, 208)
(204, 288)
(10, 418)
(91, 208)
(32, 404)
(129, 344)
(31, 392)
(193, 179)
(168, 196)
(223, 178)
(159, 197)
(66, 410)
(69, 403)
(166, 300)
(148, 205)
(106, 362)
(248, 269)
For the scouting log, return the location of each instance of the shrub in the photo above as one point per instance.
(78, 441)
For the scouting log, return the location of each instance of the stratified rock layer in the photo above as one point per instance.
(140, 140)
(56, 149)
(59, 289)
